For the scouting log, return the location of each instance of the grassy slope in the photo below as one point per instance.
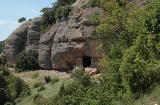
(151, 99)
(50, 89)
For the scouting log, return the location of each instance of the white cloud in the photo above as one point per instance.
(7, 27)
(6, 22)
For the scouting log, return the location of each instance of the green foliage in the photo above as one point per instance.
(140, 69)
(2, 46)
(18, 70)
(2, 60)
(34, 75)
(22, 19)
(8, 103)
(153, 20)
(36, 98)
(47, 79)
(54, 80)
(11, 87)
(41, 89)
(27, 61)
(59, 9)
(77, 72)
(37, 84)
(92, 3)
(62, 11)
(85, 80)
(130, 41)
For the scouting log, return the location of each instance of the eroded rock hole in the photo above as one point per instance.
(86, 61)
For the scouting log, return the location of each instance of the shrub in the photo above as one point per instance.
(18, 70)
(2, 46)
(35, 75)
(92, 3)
(4, 70)
(2, 60)
(62, 11)
(41, 89)
(55, 80)
(37, 84)
(37, 97)
(77, 72)
(85, 80)
(47, 79)
(27, 60)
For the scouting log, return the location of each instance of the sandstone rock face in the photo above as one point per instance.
(70, 38)
(25, 37)
(80, 3)
(67, 40)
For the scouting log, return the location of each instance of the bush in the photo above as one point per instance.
(27, 60)
(92, 3)
(41, 89)
(62, 11)
(4, 70)
(37, 97)
(37, 84)
(77, 72)
(2, 46)
(18, 70)
(140, 68)
(47, 79)
(35, 75)
(2, 60)
(85, 80)
(55, 80)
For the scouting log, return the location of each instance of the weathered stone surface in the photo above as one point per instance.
(22, 39)
(79, 3)
(88, 70)
(68, 39)
(94, 71)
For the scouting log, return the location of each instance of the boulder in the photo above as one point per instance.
(94, 71)
(88, 70)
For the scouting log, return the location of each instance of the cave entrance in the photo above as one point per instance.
(86, 61)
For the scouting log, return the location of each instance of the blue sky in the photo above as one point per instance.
(12, 10)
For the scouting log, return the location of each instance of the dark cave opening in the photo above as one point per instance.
(86, 61)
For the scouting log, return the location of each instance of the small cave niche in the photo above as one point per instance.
(86, 61)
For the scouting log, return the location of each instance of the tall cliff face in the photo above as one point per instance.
(59, 48)
(25, 37)
(67, 40)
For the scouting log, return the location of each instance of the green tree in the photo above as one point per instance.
(22, 19)
(60, 9)
(27, 60)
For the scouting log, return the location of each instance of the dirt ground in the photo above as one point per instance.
(27, 76)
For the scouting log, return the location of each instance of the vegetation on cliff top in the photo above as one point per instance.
(2, 45)
(60, 9)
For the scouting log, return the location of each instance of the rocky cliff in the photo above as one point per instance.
(66, 44)
(25, 37)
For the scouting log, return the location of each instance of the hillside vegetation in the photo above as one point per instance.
(129, 36)
(1, 46)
